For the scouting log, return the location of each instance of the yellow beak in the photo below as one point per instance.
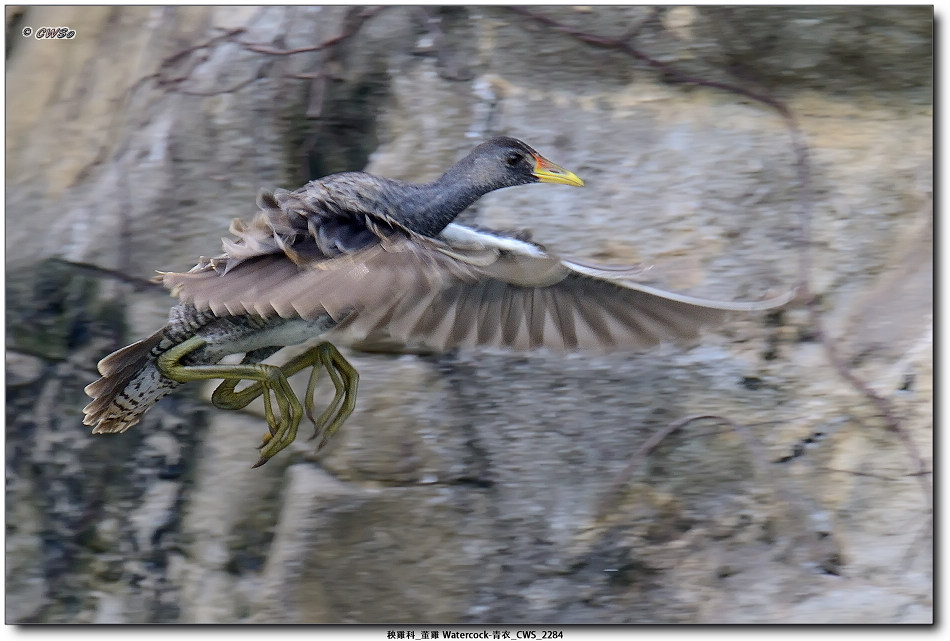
(547, 172)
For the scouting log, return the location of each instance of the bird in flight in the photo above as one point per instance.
(378, 264)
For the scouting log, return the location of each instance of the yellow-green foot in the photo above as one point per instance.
(272, 380)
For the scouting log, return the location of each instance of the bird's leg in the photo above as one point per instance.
(270, 378)
(344, 377)
(224, 397)
(345, 380)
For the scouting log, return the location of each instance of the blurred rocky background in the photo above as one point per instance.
(483, 486)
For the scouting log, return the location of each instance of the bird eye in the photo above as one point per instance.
(514, 159)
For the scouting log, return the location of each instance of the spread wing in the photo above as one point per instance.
(463, 288)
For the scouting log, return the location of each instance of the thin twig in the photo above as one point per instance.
(623, 476)
(139, 284)
(172, 59)
(219, 92)
(669, 73)
(872, 475)
(792, 502)
(175, 57)
(884, 407)
(348, 31)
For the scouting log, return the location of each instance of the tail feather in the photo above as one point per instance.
(128, 355)
(130, 384)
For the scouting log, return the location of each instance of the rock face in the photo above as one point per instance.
(480, 486)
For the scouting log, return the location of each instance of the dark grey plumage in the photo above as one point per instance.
(377, 263)
(339, 215)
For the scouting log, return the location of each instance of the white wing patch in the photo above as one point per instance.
(465, 237)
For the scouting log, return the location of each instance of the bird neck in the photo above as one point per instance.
(436, 204)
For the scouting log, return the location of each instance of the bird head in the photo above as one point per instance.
(506, 162)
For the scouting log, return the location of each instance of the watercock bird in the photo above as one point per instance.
(364, 261)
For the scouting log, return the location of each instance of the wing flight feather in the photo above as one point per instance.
(441, 293)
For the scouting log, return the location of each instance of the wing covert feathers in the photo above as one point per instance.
(464, 289)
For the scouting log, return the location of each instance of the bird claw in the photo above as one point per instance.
(282, 409)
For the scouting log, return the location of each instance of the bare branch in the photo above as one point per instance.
(350, 28)
(806, 206)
